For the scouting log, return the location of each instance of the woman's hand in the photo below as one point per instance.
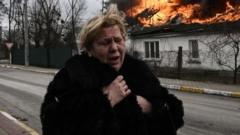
(117, 90)
(145, 105)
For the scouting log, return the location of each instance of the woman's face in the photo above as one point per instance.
(109, 47)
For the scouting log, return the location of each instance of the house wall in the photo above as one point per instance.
(168, 47)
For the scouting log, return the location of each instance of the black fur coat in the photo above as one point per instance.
(75, 105)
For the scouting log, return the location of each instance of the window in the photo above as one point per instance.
(151, 49)
(193, 47)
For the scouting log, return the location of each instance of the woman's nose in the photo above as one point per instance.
(113, 47)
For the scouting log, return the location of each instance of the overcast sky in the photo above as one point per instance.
(93, 7)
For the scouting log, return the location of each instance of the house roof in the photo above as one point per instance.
(186, 29)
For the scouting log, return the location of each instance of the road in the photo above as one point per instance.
(21, 94)
(209, 114)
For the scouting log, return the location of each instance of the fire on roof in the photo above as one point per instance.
(150, 13)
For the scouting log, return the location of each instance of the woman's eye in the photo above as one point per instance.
(109, 41)
(102, 43)
(117, 40)
(105, 42)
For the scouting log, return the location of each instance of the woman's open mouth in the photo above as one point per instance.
(114, 60)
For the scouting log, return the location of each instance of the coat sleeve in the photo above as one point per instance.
(66, 110)
(167, 109)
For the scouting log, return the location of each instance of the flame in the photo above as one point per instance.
(159, 12)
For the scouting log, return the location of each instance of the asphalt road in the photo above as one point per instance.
(21, 94)
(209, 114)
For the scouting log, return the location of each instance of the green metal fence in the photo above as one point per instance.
(42, 57)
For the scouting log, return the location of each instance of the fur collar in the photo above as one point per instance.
(89, 72)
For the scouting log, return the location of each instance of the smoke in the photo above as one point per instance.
(125, 4)
(212, 7)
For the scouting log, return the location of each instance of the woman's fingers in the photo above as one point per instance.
(122, 83)
(123, 87)
(117, 90)
(119, 78)
(126, 92)
(145, 105)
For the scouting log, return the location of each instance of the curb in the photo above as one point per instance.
(183, 88)
(23, 126)
(27, 69)
(202, 90)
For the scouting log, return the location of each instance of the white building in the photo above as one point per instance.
(160, 44)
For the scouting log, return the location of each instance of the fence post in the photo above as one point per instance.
(179, 62)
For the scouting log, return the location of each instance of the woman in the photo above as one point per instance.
(104, 91)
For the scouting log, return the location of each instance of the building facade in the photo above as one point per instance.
(198, 42)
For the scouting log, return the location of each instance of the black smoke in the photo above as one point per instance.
(125, 4)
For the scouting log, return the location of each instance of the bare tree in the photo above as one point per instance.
(48, 21)
(10, 11)
(10, 18)
(3, 8)
(74, 11)
(17, 35)
(225, 50)
(14, 14)
(49, 13)
(36, 29)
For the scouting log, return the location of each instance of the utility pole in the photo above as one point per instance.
(0, 32)
(179, 62)
(105, 4)
(26, 52)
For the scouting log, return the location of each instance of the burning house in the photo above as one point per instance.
(149, 13)
(159, 27)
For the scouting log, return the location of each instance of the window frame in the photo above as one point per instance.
(193, 48)
(194, 56)
(152, 49)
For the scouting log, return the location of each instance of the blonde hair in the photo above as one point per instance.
(94, 26)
